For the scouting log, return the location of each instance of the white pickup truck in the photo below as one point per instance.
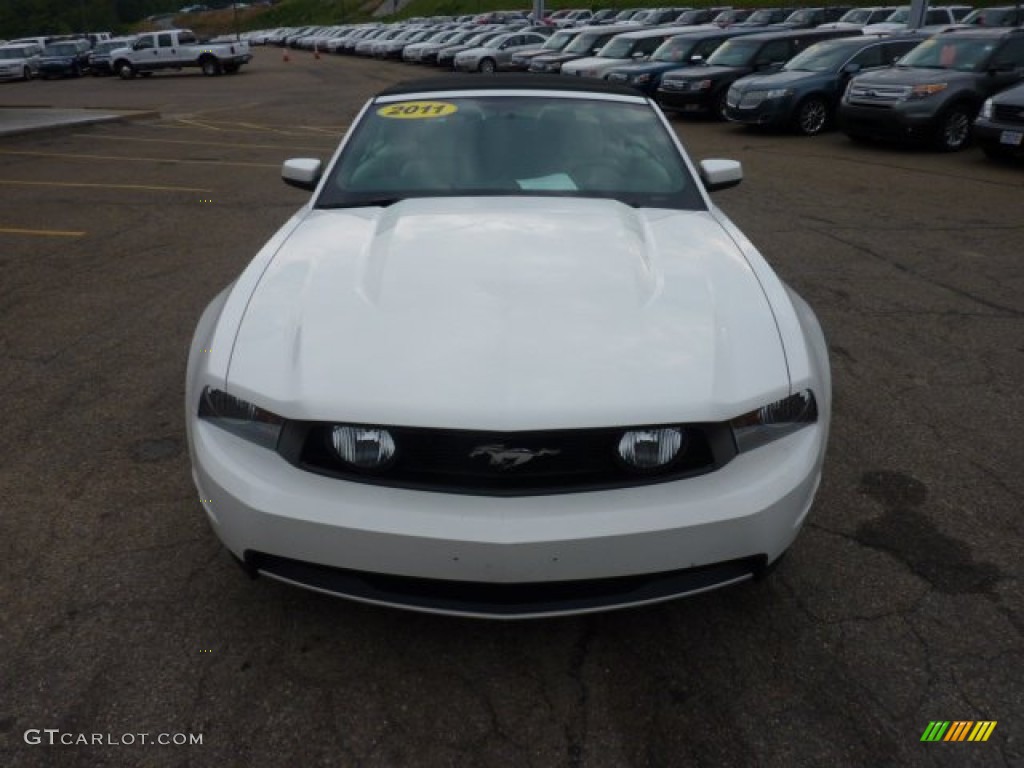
(177, 49)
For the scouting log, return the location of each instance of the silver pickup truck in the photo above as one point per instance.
(177, 49)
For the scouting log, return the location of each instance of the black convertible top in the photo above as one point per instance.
(509, 82)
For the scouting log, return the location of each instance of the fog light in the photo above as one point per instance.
(363, 447)
(650, 448)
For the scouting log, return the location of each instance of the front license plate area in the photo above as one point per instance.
(1013, 138)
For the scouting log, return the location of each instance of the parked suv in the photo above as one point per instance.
(66, 58)
(621, 50)
(804, 94)
(999, 129)
(588, 42)
(934, 16)
(704, 89)
(936, 90)
(19, 61)
(688, 49)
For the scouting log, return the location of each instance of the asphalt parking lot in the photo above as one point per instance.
(899, 604)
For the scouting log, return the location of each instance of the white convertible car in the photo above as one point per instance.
(509, 361)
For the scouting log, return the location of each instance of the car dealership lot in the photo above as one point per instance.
(899, 603)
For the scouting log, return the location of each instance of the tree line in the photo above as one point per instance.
(21, 18)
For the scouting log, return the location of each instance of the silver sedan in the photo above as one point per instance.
(497, 53)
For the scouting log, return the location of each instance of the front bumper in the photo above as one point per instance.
(698, 102)
(768, 112)
(896, 120)
(1007, 136)
(496, 556)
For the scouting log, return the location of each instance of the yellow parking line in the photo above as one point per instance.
(138, 159)
(139, 187)
(197, 143)
(198, 124)
(240, 127)
(39, 232)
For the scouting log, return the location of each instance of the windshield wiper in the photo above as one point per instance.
(368, 202)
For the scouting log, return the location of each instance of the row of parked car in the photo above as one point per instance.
(70, 56)
(933, 85)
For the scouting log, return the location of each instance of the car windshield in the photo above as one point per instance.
(734, 53)
(899, 16)
(61, 49)
(800, 17)
(558, 41)
(618, 48)
(823, 57)
(494, 42)
(856, 16)
(760, 17)
(964, 54)
(585, 42)
(506, 144)
(479, 40)
(989, 17)
(674, 50)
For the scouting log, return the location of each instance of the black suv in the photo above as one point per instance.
(935, 91)
(704, 89)
(999, 129)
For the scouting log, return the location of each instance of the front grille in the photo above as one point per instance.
(1008, 113)
(871, 95)
(751, 100)
(675, 85)
(617, 77)
(507, 463)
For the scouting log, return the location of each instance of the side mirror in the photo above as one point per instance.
(718, 174)
(302, 172)
(696, 59)
(137, 45)
(852, 68)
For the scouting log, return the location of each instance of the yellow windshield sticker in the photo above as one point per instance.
(417, 110)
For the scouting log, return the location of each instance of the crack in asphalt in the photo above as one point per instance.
(1008, 311)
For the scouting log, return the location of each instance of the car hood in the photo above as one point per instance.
(778, 79)
(508, 313)
(707, 73)
(643, 67)
(559, 57)
(910, 76)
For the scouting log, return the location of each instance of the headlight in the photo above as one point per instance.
(650, 448)
(775, 420)
(986, 110)
(363, 447)
(240, 417)
(778, 93)
(642, 79)
(924, 91)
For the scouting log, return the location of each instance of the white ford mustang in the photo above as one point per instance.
(509, 361)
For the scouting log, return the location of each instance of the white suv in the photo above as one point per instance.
(19, 62)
